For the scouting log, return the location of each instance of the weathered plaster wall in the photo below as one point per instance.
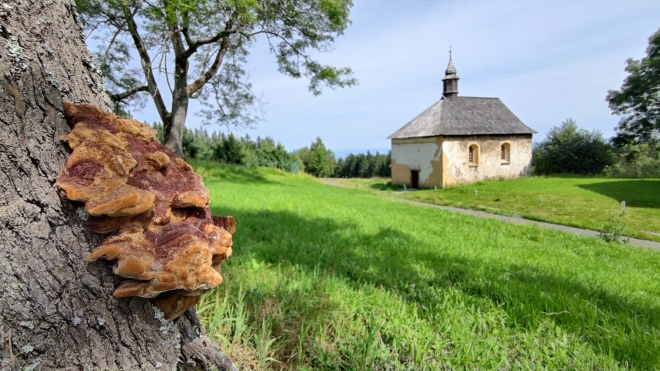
(423, 154)
(444, 161)
(490, 163)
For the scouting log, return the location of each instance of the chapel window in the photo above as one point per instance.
(505, 152)
(473, 155)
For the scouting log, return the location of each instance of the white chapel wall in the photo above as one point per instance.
(422, 154)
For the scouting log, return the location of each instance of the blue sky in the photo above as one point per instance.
(547, 60)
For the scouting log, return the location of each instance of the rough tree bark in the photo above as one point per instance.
(57, 311)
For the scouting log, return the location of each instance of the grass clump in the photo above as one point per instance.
(328, 278)
(614, 230)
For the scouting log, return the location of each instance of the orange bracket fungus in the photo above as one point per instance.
(166, 244)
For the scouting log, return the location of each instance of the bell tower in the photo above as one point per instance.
(450, 82)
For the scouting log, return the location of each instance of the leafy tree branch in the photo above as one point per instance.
(639, 98)
(205, 44)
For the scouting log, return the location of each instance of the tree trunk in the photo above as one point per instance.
(57, 311)
(173, 132)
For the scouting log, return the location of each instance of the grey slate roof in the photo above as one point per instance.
(464, 116)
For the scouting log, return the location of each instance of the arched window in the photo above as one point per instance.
(473, 155)
(505, 152)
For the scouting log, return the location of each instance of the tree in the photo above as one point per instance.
(567, 149)
(317, 159)
(305, 157)
(202, 46)
(639, 97)
(57, 311)
(364, 166)
(637, 160)
(230, 150)
(272, 155)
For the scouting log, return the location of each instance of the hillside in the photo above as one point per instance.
(325, 278)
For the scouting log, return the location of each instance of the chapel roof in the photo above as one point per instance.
(464, 116)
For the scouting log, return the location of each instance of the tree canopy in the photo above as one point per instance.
(364, 165)
(568, 149)
(637, 160)
(317, 159)
(200, 48)
(639, 97)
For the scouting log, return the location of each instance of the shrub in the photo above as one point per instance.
(568, 149)
(615, 230)
(637, 161)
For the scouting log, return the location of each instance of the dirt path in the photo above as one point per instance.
(333, 182)
(511, 219)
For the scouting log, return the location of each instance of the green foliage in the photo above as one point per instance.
(231, 151)
(567, 149)
(201, 48)
(639, 97)
(614, 231)
(317, 159)
(326, 278)
(198, 144)
(159, 130)
(322, 163)
(637, 160)
(364, 166)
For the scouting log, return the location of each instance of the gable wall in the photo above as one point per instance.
(423, 154)
(490, 165)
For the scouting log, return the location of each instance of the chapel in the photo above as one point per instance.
(460, 140)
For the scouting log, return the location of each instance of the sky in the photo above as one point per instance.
(546, 60)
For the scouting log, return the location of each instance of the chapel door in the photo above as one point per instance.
(414, 179)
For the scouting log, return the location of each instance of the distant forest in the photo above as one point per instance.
(316, 159)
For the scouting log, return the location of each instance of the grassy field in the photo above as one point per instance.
(325, 278)
(579, 202)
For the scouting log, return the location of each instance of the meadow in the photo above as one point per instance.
(326, 278)
(583, 202)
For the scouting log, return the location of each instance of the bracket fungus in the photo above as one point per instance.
(166, 244)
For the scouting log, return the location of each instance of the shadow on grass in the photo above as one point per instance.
(386, 186)
(636, 193)
(380, 186)
(390, 259)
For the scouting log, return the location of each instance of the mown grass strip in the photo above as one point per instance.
(582, 202)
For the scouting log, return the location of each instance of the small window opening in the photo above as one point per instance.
(473, 155)
(505, 152)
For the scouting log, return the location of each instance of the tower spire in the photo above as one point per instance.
(450, 82)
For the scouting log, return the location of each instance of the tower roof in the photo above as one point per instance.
(450, 72)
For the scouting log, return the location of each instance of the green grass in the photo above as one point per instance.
(574, 201)
(326, 278)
